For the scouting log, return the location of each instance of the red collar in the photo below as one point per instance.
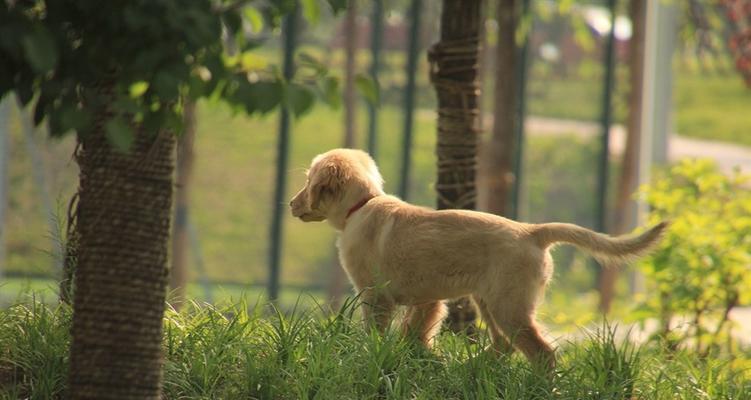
(357, 206)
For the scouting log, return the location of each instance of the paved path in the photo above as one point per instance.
(727, 155)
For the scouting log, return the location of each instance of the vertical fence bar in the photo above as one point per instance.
(605, 122)
(376, 40)
(5, 105)
(603, 167)
(409, 97)
(289, 27)
(521, 112)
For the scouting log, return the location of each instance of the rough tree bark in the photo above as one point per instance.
(483, 63)
(179, 269)
(123, 227)
(623, 212)
(454, 73)
(499, 157)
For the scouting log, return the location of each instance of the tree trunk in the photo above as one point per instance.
(123, 228)
(70, 256)
(625, 208)
(499, 158)
(454, 73)
(179, 270)
(482, 73)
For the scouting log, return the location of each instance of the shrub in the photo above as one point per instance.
(702, 269)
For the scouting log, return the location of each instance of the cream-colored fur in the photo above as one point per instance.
(396, 253)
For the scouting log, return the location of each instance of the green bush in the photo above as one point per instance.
(34, 341)
(702, 269)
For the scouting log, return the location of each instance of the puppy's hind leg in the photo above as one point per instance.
(525, 335)
(424, 321)
(500, 344)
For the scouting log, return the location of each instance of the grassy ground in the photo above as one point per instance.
(230, 353)
(15, 290)
(707, 105)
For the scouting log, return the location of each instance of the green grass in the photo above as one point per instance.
(232, 353)
(713, 106)
(706, 105)
(15, 290)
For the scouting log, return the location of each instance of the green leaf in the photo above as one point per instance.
(330, 92)
(40, 50)
(298, 98)
(307, 60)
(368, 88)
(165, 85)
(337, 5)
(258, 96)
(41, 109)
(255, 19)
(232, 21)
(74, 118)
(25, 94)
(311, 10)
(268, 95)
(139, 88)
(154, 120)
(119, 134)
(250, 61)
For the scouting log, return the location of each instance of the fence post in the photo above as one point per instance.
(289, 27)
(409, 97)
(603, 167)
(376, 40)
(658, 49)
(605, 122)
(521, 113)
(4, 153)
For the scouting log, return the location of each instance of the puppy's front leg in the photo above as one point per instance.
(424, 321)
(377, 310)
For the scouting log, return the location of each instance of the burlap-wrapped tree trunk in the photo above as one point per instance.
(123, 226)
(453, 72)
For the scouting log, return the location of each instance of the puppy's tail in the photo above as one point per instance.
(603, 247)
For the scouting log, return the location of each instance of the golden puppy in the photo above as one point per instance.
(396, 253)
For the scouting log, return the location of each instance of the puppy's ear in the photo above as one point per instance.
(329, 183)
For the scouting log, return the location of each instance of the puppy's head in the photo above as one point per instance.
(336, 179)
